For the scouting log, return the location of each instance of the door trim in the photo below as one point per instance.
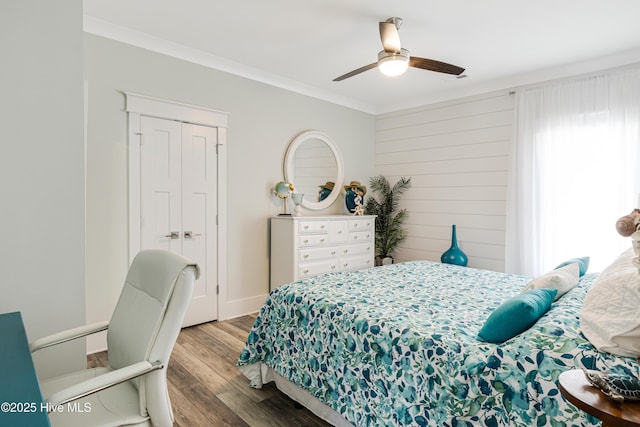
(142, 105)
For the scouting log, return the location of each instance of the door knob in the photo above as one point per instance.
(173, 235)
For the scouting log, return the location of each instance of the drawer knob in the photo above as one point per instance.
(345, 251)
(321, 227)
(333, 252)
(355, 225)
(339, 231)
(333, 267)
(345, 265)
(355, 237)
(306, 256)
(306, 270)
(306, 240)
(306, 227)
(321, 240)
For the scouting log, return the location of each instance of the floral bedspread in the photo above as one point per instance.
(396, 346)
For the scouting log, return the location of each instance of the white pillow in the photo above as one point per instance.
(563, 279)
(610, 315)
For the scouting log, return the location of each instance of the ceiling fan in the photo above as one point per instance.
(393, 60)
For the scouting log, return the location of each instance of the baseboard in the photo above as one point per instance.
(241, 307)
(96, 343)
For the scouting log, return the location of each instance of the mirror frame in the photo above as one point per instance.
(289, 167)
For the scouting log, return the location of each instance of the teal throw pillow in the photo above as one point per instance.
(583, 263)
(516, 315)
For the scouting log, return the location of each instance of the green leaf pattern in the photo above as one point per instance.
(396, 346)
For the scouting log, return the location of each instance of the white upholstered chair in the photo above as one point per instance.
(140, 337)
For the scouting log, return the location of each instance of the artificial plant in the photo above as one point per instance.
(389, 220)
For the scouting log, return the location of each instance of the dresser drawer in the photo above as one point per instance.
(313, 227)
(313, 240)
(360, 236)
(355, 262)
(359, 249)
(339, 232)
(361, 224)
(315, 254)
(315, 268)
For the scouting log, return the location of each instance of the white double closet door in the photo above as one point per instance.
(178, 201)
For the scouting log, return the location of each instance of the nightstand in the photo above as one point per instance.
(576, 389)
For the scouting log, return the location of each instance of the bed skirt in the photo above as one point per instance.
(259, 374)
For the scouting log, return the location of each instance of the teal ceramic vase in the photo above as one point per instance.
(454, 255)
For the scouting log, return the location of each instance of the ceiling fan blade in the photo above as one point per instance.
(354, 72)
(390, 37)
(433, 65)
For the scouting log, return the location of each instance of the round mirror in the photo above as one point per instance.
(314, 166)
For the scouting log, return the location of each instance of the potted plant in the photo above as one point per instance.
(389, 220)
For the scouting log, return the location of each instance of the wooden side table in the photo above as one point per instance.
(576, 389)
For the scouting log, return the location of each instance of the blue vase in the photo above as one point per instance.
(454, 255)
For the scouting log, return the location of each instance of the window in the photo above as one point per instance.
(575, 170)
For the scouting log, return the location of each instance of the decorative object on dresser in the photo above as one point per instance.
(283, 190)
(389, 220)
(307, 246)
(297, 200)
(354, 197)
(454, 254)
(313, 158)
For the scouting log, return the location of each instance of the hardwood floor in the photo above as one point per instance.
(207, 389)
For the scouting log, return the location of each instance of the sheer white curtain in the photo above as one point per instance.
(574, 171)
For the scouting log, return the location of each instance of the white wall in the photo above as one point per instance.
(42, 173)
(456, 153)
(262, 121)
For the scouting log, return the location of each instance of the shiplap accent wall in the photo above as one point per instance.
(456, 154)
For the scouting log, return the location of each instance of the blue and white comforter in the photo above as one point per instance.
(396, 346)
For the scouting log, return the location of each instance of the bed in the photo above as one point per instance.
(397, 346)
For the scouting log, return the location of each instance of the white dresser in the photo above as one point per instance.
(306, 246)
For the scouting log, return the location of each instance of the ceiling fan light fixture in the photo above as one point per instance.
(394, 61)
(393, 64)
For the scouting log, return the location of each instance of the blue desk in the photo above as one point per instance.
(21, 402)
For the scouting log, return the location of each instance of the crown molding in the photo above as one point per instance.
(139, 39)
(158, 45)
(627, 58)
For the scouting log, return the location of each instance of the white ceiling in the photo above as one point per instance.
(303, 45)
